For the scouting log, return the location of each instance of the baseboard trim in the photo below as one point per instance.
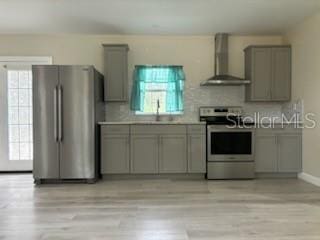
(276, 175)
(309, 178)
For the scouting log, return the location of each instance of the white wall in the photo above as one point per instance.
(305, 39)
(195, 53)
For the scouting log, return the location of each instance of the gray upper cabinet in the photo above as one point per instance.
(116, 72)
(281, 79)
(173, 154)
(259, 72)
(269, 69)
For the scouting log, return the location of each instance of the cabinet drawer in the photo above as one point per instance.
(114, 129)
(158, 129)
(196, 129)
(279, 129)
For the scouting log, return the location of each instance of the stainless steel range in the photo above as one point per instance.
(230, 143)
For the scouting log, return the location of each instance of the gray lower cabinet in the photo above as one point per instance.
(153, 149)
(173, 154)
(278, 151)
(196, 153)
(289, 153)
(266, 153)
(269, 70)
(144, 153)
(115, 154)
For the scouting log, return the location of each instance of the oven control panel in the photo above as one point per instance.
(219, 111)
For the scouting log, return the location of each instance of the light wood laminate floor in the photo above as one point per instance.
(159, 209)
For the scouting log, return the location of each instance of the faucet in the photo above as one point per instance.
(158, 107)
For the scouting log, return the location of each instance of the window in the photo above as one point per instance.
(154, 92)
(20, 114)
(158, 88)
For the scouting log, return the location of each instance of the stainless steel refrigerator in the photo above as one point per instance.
(67, 104)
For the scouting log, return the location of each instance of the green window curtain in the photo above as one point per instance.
(172, 77)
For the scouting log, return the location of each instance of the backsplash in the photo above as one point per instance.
(294, 110)
(196, 96)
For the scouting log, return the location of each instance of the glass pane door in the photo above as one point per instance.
(20, 114)
(16, 118)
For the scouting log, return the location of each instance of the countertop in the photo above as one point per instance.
(152, 123)
(184, 123)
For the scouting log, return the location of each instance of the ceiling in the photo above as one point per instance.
(199, 17)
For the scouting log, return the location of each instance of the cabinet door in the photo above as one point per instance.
(116, 73)
(261, 74)
(173, 154)
(144, 153)
(289, 153)
(197, 153)
(115, 154)
(266, 153)
(281, 74)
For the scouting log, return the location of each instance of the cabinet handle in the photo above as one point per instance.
(60, 116)
(55, 114)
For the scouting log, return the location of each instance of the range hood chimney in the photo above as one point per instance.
(222, 76)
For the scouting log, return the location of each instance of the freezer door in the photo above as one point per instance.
(45, 131)
(77, 122)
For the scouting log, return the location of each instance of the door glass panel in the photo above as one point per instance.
(20, 114)
(227, 143)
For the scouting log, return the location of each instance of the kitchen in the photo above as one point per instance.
(161, 166)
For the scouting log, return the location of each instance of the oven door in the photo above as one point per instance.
(230, 144)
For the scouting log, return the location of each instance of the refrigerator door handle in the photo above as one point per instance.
(60, 117)
(55, 114)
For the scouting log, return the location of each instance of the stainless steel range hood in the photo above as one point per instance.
(221, 76)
